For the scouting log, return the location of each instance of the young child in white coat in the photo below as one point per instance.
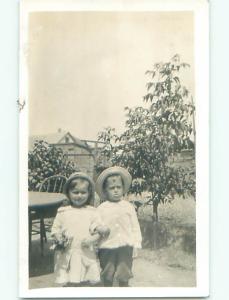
(76, 230)
(116, 251)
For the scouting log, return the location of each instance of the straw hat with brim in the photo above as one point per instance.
(126, 177)
(82, 176)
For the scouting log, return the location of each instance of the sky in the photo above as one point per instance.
(85, 67)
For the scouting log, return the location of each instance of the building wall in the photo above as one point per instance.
(84, 163)
(73, 149)
(82, 157)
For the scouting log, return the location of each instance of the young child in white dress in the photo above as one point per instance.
(116, 251)
(76, 230)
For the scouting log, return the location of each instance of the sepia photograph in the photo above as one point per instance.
(113, 149)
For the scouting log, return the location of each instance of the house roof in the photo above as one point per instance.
(57, 138)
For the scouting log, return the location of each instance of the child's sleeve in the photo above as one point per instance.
(97, 225)
(96, 221)
(56, 230)
(137, 236)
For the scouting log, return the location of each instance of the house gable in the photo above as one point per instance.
(66, 139)
(81, 152)
(59, 138)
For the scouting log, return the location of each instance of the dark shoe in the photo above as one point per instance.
(123, 283)
(96, 284)
(108, 283)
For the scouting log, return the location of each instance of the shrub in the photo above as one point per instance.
(46, 160)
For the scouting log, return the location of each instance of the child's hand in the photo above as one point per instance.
(103, 231)
(57, 241)
(86, 243)
(67, 241)
(63, 240)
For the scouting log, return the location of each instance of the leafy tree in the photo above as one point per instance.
(44, 161)
(155, 133)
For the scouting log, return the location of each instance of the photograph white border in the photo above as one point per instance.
(201, 55)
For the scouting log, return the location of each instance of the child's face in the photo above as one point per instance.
(114, 188)
(79, 193)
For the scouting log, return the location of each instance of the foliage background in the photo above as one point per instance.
(44, 161)
(154, 136)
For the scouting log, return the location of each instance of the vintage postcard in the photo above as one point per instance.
(114, 149)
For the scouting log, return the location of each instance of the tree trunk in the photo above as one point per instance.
(154, 242)
(155, 213)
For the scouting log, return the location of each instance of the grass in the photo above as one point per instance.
(181, 211)
(177, 222)
(171, 256)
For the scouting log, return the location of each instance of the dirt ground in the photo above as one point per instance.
(150, 269)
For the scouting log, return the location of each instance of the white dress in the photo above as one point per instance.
(74, 264)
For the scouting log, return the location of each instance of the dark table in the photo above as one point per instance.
(42, 200)
(42, 205)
